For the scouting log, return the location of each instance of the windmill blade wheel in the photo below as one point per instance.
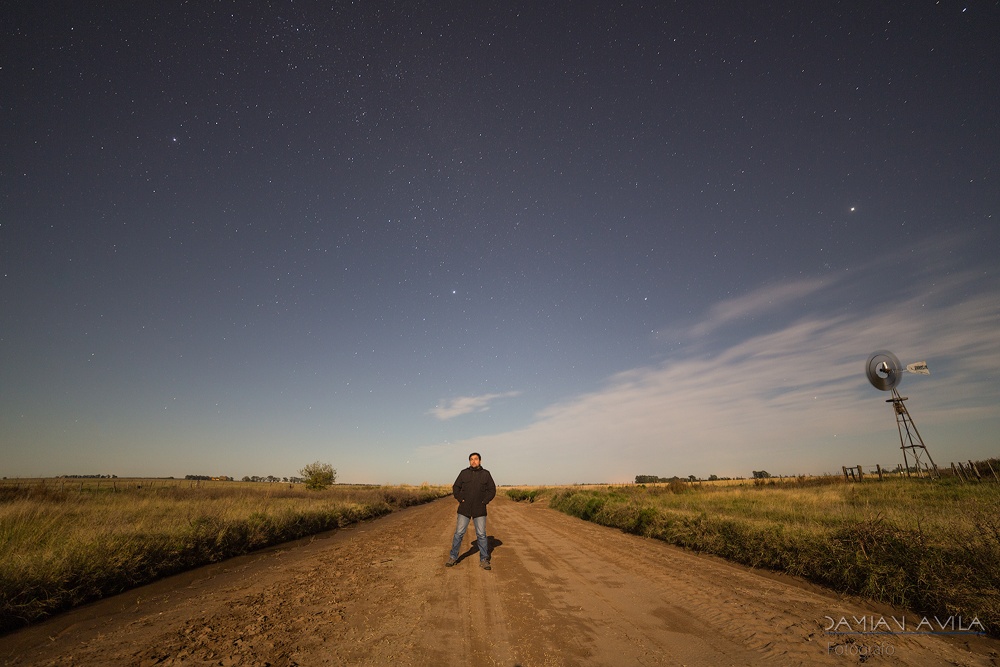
(884, 370)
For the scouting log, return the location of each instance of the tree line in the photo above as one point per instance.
(316, 476)
(245, 478)
(653, 479)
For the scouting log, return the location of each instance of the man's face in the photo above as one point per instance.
(474, 461)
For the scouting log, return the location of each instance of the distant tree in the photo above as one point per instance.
(692, 478)
(318, 475)
(761, 474)
(713, 478)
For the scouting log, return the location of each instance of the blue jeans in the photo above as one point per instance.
(461, 526)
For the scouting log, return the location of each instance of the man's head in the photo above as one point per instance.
(475, 459)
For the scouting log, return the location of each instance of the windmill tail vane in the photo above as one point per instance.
(918, 367)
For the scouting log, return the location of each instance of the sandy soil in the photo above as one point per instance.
(561, 592)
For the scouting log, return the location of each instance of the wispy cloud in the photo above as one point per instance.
(793, 398)
(758, 303)
(451, 408)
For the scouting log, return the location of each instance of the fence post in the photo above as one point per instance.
(861, 474)
(992, 470)
(961, 470)
(844, 468)
(975, 470)
(878, 469)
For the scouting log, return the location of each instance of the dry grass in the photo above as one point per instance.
(63, 543)
(933, 547)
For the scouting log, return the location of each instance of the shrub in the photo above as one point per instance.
(518, 495)
(318, 475)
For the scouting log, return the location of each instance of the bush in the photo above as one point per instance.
(318, 476)
(517, 495)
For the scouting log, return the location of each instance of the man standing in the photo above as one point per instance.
(473, 490)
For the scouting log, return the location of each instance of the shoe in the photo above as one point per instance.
(485, 564)
(451, 562)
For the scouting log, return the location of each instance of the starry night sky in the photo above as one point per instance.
(589, 240)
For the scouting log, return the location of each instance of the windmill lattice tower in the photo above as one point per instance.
(885, 373)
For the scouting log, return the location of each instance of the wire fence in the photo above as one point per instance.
(964, 471)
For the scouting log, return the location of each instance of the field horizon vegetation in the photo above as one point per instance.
(931, 546)
(70, 540)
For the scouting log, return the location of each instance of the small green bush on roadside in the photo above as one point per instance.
(518, 495)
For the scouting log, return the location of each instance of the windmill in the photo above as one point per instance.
(885, 373)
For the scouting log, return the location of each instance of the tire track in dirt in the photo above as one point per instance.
(617, 612)
(692, 609)
(562, 592)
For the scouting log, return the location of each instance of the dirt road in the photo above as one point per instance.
(561, 592)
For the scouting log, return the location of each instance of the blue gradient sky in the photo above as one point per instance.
(588, 241)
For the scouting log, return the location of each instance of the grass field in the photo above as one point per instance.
(929, 546)
(64, 542)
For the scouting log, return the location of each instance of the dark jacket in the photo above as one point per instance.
(473, 489)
